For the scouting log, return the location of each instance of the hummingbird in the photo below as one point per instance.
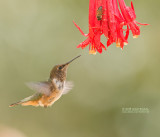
(48, 92)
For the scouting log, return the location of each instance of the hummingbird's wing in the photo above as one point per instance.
(67, 87)
(41, 87)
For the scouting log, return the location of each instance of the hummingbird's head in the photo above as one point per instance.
(59, 72)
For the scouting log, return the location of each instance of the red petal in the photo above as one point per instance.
(91, 32)
(122, 44)
(105, 19)
(117, 12)
(99, 49)
(134, 28)
(127, 33)
(111, 21)
(84, 43)
(102, 46)
(127, 12)
(80, 29)
(109, 42)
(92, 13)
(97, 39)
(141, 23)
(98, 3)
(132, 5)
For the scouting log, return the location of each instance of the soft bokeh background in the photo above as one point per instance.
(37, 34)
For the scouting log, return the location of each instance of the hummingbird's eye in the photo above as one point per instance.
(60, 67)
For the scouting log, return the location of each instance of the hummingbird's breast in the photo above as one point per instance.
(55, 94)
(59, 84)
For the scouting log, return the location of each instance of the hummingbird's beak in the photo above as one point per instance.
(71, 60)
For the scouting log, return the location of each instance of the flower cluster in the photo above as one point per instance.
(105, 17)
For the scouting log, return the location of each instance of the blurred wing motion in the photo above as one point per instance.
(67, 87)
(41, 87)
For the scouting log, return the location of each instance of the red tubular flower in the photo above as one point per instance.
(130, 16)
(95, 33)
(106, 18)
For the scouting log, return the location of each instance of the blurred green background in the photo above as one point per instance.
(37, 34)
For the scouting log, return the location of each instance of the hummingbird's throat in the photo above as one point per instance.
(59, 84)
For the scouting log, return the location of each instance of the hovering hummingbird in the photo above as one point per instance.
(48, 92)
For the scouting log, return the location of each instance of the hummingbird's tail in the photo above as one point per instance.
(27, 101)
(20, 102)
(15, 104)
